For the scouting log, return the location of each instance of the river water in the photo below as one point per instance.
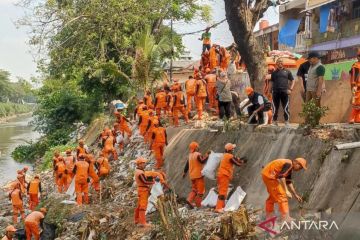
(13, 133)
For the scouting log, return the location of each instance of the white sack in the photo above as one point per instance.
(156, 191)
(211, 165)
(211, 199)
(235, 200)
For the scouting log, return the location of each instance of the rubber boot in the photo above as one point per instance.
(190, 199)
(220, 206)
(136, 216)
(142, 219)
(198, 200)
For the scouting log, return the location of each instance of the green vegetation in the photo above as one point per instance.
(9, 109)
(312, 113)
(49, 154)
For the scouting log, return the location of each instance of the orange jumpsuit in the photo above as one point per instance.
(21, 179)
(200, 96)
(148, 101)
(195, 165)
(150, 128)
(109, 147)
(211, 89)
(277, 194)
(169, 102)
(225, 59)
(33, 190)
(143, 188)
(80, 150)
(69, 163)
(81, 171)
(32, 223)
(139, 110)
(160, 103)
(355, 87)
(61, 176)
(104, 166)
(213, 58)
(190, 86)
(205, 60)
(179, 106)
(159, 141)
(92, 173)
(224, 176)
(17, 204)
(123, 125)
(143, 122)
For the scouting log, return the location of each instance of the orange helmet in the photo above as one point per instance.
(141, 160)
(156, 122)
(249, 90)
(19, 172)
(193, 146)
(56, 153)
(271, 68)
(26, 168)
(302, 162)
(37, 176)
(81, 141)
(140, 101)
(230, 146)
(10, 228)
(43, 210)
(60, 158)
(68, 151)
(81, 156)
(207, 70)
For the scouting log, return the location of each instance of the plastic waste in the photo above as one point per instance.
(155, 192)
(119, 138)
(211, 199)
(71, 190)
(211, 165)
(68, 202)
(235, 200)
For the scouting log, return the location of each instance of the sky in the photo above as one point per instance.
(16, 58)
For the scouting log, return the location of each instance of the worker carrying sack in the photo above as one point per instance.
(211, 165)
(156, 191)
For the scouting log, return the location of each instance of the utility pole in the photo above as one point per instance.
(172, 49)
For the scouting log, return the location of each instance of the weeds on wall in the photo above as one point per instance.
(312, 113)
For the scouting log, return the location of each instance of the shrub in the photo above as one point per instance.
(312, 113)
(48, 156)
(30, 152)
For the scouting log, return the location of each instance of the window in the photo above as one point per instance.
(356, 9)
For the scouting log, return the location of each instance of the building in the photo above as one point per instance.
(267, 36)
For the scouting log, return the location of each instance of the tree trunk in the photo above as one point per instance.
(241, 22)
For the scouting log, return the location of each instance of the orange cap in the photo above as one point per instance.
(156, 122)
(229, 146)
(10, 228)
(140, 101)
(249, 90)
(26, 168)
(18, 171)
(302, 162)
(37, 176)
(81, 141)
(193, 146)
(141, 160)
(68, 151)
(43, 210)
(81, 155)
(207, 70)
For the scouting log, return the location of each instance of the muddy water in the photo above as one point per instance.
(13, 133)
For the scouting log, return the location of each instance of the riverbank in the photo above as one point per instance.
(9, 111)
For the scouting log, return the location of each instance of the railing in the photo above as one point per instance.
(345, 30)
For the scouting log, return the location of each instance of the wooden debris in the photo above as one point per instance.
(236, 224)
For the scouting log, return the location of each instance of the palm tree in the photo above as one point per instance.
(148, 67)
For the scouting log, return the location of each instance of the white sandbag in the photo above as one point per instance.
(211, 199)
(156, 191)
(119, 138)
(211, 165)
(235, 200)
(242, 104)
(71, 190)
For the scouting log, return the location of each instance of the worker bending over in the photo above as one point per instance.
(32, 223)
(109, 146)
(225, 174)
(33, 190)
(260, 106)
(277, 179)
(143, 187)
(103, 165)
(194, 165)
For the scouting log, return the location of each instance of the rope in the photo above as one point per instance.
(203, 30)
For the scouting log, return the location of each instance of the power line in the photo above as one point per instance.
(203, 30)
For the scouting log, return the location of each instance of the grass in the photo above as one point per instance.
(10, 109)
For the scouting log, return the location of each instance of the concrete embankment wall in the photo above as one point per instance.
(332, 180)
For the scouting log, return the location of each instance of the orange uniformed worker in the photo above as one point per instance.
(210, 79)
(213, 55)
(81, 171)
(103, 165)
(55, 158)
(277, 179)
(355, 87)
(169, 101)
(224, 59)
(15, 196)
(109, 146)
(139, 108)
(160, 102)
(123, 123)
(143, 121)
(194, 165)
(150, 127)
(200, 96)
(176, 85)
(9, 233)
(190, 87)
(159, 141)
(148, 99)
(21, 179)
(33, 189)
(143, 187)
(225, 174)
(179, 106)
(32, 223)
(81, 148)
(61, 175)
(69, 161)
(92, 173)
